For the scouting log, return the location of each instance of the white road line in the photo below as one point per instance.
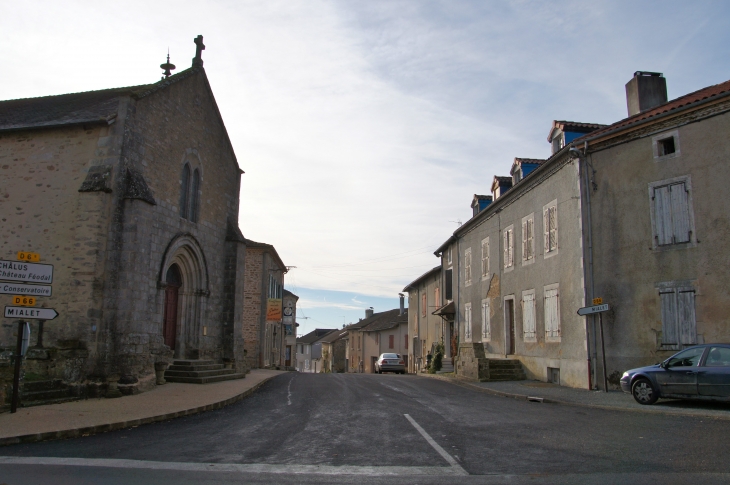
(288, 389)
(454, 464)
(237, 468)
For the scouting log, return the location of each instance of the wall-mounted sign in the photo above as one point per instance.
(23, 289)
(23, 300)
(273, 310)
(22, 271)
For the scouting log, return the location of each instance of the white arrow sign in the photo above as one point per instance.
(22, 271)
(31, 313)
(23, 289)
(587, 310)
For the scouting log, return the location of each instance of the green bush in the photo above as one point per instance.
(437, 359)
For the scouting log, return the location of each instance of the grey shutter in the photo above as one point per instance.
(530, 237)
(669, 318)
(525, 255)
(686, 316)
(680, 213)
(663, 215)
(506, 248)
(553, 220)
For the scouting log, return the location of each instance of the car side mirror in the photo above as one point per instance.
(663, 365)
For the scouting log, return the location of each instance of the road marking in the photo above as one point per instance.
(237, 468)
(288, 390)
(454, 464)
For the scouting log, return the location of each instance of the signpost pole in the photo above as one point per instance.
(603, 354)
(18, 360)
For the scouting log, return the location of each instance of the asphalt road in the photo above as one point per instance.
(362, 428)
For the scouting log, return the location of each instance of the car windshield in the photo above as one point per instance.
(687, 358)
(390, 356)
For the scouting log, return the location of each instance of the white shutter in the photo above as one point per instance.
(546, 229)
(467, 322)
(506, 248)
(669, 318)
(552, 325)
(663, 215)
(680, 213)
(530, 238)
(467, 266)
(528, 315)
(525, 256)
(511, 246)
(486, 327)
(553, 221)
(686, 316)
(485, 257)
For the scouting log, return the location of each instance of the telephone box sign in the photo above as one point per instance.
(29, 272)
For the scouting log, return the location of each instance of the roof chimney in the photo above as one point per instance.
(402, 303)
(645, 91)
(369, 312)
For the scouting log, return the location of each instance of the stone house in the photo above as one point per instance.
(289, 322)
(388, 332)
(424, 326)
(658, 213)
(132, 195)
(334, 351)
(263, 330)
(355, 341)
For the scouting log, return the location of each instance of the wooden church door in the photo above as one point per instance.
(174, 282)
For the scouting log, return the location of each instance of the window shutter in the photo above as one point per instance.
(530, 238)
(525, 256)
(680, 213)
(511, 246)
(686, 316)
(669, 318)
(553, 221)
(486, 330)
(546, 229)
(391, 341)
(528, 316)
(663, 215)
(506, 249)
(449, 282)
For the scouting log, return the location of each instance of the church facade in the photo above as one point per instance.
(132, 194)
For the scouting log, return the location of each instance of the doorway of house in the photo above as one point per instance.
(373, 360)
(287, 359)
(509, 315)
(173, 278)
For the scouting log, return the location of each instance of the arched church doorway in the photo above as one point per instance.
(173, 278)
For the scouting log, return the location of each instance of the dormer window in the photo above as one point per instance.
(558, 142)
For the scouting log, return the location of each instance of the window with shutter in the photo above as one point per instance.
(486, 324)
(528, 315)
(528, 243)
(671, 212)
(467, 322)
(424, 303)
(467, 267)
(509, 244)
(391, 341)
(552, 314)
(485, 258)
(679, 325)
(437, 297)
(449, 284)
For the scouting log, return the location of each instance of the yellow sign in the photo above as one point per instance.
(598, 301)
(273, 310)
(30, 257)
(23, 300)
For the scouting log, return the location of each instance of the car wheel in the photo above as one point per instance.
(644, 392)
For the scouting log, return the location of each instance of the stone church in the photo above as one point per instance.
(132, 195)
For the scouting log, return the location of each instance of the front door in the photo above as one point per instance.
(169, 329)
(287, 360)
(373, 360)
(509, 313)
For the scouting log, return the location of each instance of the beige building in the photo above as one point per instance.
(424, 326)
(132, 195)
(388, 332)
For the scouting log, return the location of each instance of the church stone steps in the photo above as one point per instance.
(205, 380)
(199, 372)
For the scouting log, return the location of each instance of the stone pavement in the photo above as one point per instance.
(80, 418)
(613, 400)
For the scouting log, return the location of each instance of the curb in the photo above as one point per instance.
(464, 383)
(103, 428)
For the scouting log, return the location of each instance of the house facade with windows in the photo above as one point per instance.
(289, 328)
(424, 327)
(519, 275)
(309, 350)
(132, 194)
(388, 332)
(660, 220)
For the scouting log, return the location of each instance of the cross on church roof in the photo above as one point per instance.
(200, 47)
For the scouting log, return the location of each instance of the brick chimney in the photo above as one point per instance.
(645, 91)
(402, 303)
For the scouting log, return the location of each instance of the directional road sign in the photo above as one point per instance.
(24, 289)
(30, 313)
(587, 310)
(22, 271)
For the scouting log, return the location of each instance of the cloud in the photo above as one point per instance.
(311, 304)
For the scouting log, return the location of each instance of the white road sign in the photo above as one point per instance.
(587, 310)
(29, 272)
(23, 289)
(30, 313)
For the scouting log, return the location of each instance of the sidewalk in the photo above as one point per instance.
(81, 418)
(613, 400)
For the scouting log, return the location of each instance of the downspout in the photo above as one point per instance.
(458, 299)
(588, 271)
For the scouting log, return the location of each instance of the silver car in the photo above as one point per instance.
(390, 363)
(699, 372)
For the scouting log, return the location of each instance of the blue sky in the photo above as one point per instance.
(365, 128)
